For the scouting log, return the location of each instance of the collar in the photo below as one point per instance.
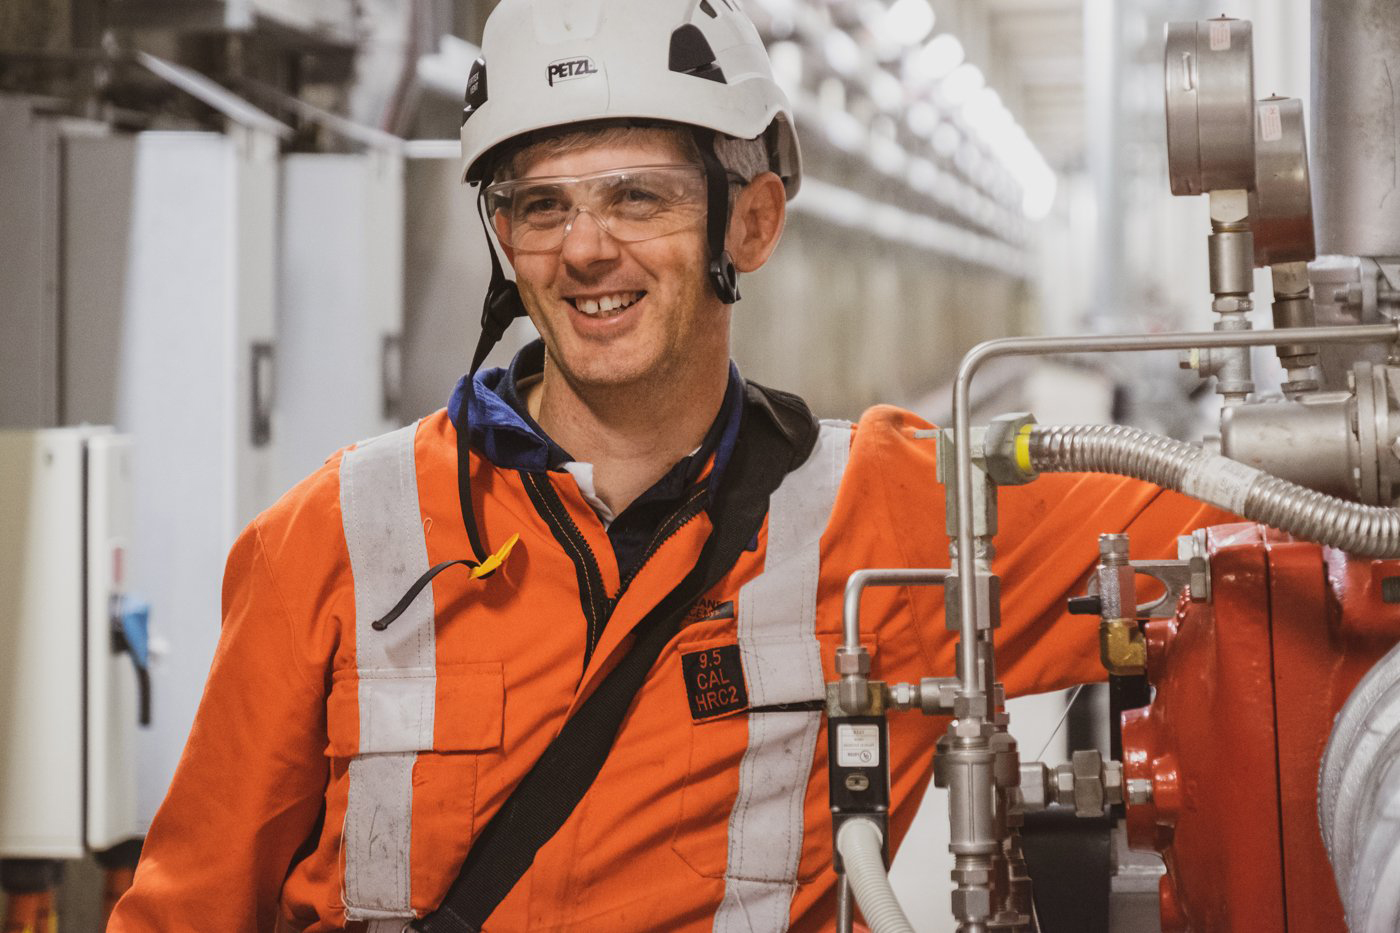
(502, 429)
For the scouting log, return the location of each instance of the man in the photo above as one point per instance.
(416, 632)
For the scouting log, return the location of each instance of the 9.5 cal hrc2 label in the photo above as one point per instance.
(714, 682)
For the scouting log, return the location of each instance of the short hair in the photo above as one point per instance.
(742, 158)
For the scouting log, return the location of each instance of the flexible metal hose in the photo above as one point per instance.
(859, 843)
(1364, 530)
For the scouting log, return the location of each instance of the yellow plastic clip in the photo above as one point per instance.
(1023, 448)
(493, 563)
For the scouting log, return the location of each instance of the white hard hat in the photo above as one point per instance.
(551, 63)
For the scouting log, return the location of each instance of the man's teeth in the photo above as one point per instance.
(608, 304)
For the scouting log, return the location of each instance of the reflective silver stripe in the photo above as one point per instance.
(782, 664)
(395, 925)
(397, 672)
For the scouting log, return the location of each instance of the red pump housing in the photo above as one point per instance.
(1247, 685)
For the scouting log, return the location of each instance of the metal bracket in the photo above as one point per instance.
(1176, 576)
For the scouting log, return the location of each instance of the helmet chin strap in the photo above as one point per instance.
(502, 304)
(724, 276)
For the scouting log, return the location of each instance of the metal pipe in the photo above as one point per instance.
(858, 581)
(1355, 45)
(1108, 343)
(845, 912)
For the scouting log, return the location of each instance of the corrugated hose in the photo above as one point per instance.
(1364, 530)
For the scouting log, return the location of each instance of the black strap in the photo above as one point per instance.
(550, 791)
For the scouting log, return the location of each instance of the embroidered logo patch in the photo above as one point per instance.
(710, 610)
(714, 682)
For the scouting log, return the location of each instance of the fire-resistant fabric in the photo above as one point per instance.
(256, 830)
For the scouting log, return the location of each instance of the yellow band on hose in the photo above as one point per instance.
(492, 563)
(1023, 448)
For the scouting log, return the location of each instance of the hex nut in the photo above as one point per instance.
(1064, 785)
(1087, 766)
(1139, 792)
(904, 696)
(972, 728)
(972, 903)
(1035, 777)
(967, 707)
(852, 661)
(972, 876)
(1113, 782)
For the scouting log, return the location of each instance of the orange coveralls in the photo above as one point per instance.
(250, 836)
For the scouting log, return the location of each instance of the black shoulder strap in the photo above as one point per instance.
(768, 448)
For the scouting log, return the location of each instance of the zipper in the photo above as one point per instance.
(665, 532)
(597, 605)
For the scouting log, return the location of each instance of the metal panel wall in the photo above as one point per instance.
(340, 291)
(31, 154)
(169, 284)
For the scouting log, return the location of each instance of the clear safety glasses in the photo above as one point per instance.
(631, 204)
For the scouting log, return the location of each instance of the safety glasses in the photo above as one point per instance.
(631, 204)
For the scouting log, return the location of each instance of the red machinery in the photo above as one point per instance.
(1247, 686)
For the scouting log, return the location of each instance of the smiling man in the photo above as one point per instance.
(554, 657)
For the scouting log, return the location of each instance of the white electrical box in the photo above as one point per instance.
(71, 687)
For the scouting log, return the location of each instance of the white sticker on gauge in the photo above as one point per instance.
(1220, 35)
(857, 746)
(1270, 123)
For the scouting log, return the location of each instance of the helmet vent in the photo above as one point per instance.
(691, 53)
(709, 10)
(476, 89)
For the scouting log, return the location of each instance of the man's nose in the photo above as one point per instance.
(586, 240)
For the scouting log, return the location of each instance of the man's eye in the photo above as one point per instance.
(540, 207)
(636, 201)
(640, 196)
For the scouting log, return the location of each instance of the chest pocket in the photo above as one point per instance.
(410, 730)
(411, 784)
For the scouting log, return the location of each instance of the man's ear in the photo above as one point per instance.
(756, 222)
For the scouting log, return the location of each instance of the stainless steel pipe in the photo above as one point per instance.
(1355, 119)
(1111, 343)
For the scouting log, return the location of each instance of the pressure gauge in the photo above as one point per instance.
(1210, 105)
(1280, 207)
